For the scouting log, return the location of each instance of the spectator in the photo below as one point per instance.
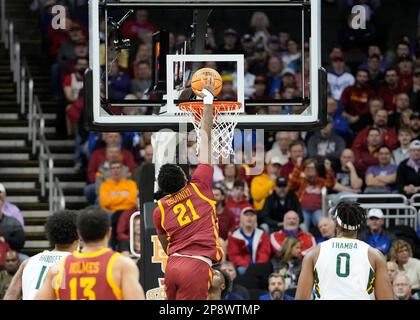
(249, 80)
(367, 154)
(277, 205)
(142, 79)
(274, 75)
(392, 269)
(291, 229)
(338, 78)
(414, 90)
(10, 268)
(292, 56)
(9, 209)
(262, 186)
(296, 151)
(123, 231)
(403, 152)
(290, 254)
(408, 175)
(135, 29)
(402, 103)
(347, 180)
(402, 287)
(390, 89)
(260, 27)
(307, 185)
(340, 123)
(237, 289)
(402, 254)
(248, 244)
(326, 228)
(98, 157)
(117, 193)
(375, 72)
(258, 63)
(355, 98)
(388, 135)
(375, 235)
(145, 175)
(405, 73)
(273, 46)
(12, 230)
(230, 173)
(237, 201)
(4, 247)
(73, 82)
(119, 83)
(325, 144)
(381, 178)
(230, 46)
(402, 50)
(112, 153)
(225, 217)
(247, 42)
(374, 105)
(276, 289)
(280, 149)
(415, 124)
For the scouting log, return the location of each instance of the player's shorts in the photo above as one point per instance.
(187, 278)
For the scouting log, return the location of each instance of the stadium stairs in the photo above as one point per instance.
(18, 168)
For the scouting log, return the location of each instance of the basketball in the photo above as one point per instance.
(201, 75)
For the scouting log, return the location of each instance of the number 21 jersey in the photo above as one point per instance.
(343, 271)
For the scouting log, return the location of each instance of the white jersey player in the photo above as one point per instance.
(344, 268)
(62, 233)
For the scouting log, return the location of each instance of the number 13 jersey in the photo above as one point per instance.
(343, 271)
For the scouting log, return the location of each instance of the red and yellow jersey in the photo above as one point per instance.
(188, 218)
(88, 276)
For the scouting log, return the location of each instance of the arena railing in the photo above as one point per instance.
(403, 214)
(36, 121)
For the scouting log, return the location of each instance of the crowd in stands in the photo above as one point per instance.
(267, 223)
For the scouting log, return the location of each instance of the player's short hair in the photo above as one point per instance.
(350, 216)
(61, 228)
(93, 224)
(228, 282)
(171, 179)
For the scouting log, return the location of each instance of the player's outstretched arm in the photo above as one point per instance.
(131, 288)
(306, 278)
(206, 121)
(383, 288)
(14, 292)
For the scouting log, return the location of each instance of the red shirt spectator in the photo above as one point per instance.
(98, 157)
(296, 151)
(390, 89)
(291, 229)
(248, 244)
(405, 74)
(388, 135)
(133, 29)
(367, 154)
(123, 225)
(355, 98)
(237, 201)
(226, 217)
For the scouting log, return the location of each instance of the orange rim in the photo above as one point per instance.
(219, 106)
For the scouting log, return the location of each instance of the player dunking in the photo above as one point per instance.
(344, 268)
(96, 273)
(62, 233)
(186, 220)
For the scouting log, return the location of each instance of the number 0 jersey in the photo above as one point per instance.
(343, 270)
(36, 269)
(88, 276)
(188, 218)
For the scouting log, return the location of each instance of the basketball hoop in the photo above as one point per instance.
(224, 123)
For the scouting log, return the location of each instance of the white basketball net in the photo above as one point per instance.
(224, 123)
